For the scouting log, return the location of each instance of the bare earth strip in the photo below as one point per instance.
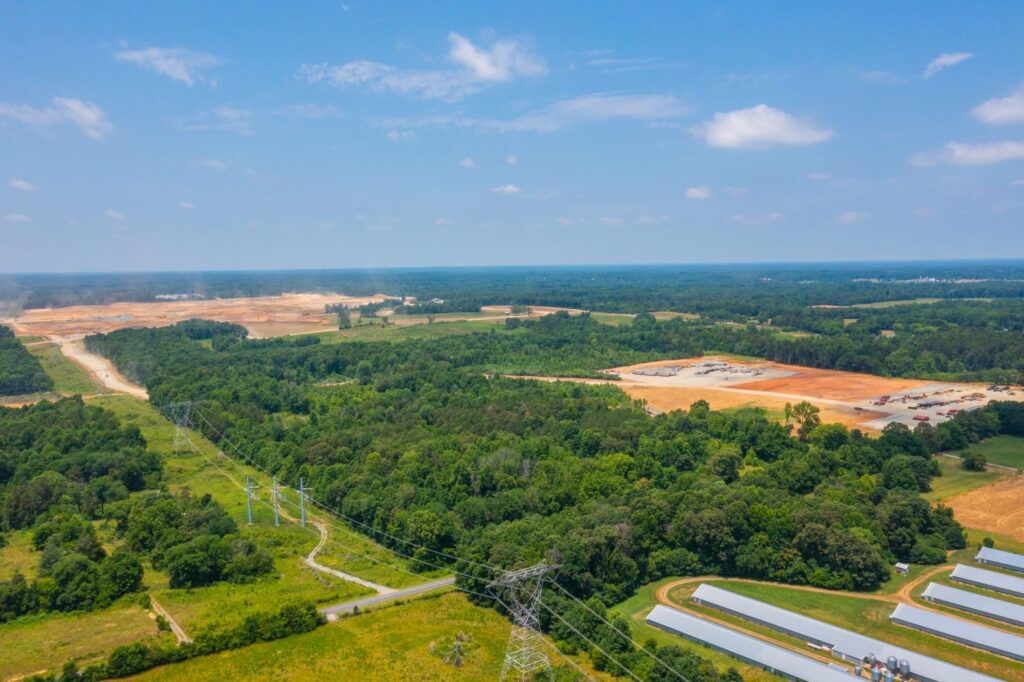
(100, 368)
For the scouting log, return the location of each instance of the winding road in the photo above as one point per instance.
(332, 612)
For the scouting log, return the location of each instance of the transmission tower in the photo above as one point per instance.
(180, 415)
(522, 593)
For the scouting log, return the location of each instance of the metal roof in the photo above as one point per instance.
(750, 649)
(979, 636)
(845, 643)
(991, 555)
(975, 603)
(1000, 582)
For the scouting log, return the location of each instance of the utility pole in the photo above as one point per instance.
(248, 495)
(277, 513)
(302, 498)
(522, 589)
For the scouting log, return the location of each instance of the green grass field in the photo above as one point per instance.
(46, 641)
(956, 480)
(1007, 451)
(394, 332)
(18, 555)
(392, 643)
(866, 616)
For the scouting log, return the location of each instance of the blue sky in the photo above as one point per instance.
(210, 135)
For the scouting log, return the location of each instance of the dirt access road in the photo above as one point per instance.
(101, 369)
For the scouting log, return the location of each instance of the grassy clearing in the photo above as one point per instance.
(613, 319)
(42, 642)
(1007, 451)
(18, 555)
(394, 332)
(68, 376)
(224, 479)
(639, 605)
(868, 617)
(669, 315)
(956, 480)
(392, 643)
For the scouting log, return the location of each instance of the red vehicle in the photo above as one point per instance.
(921, 418)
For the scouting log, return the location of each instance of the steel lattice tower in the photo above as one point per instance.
(181, 415)
(522, 593)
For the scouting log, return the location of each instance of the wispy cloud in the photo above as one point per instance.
(882, 76)
(596, 107)
(186, 205)
(507, 189)
(400, 135)
(111, 213)
(184, 66)
(849, 217)
(698, 193)
(963, 154)
(467, 163)
(1018, 183)
(511, 160)
(757, 218)
(215, 164)
(1001, 110)
(23, 185)
(759, 127)
(474, 68)
(16, 218)
(225, 118)
(86, 116)
(944, 61)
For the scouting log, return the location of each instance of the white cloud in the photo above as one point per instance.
(16, 218)
(944, 61)
(184, 66)
(215, 164)
(757, 218)
(475, 69)
(849, 217)
(505, 59)
(23, 185)
(651, 219)
(698, 193)
(88, 117)
(400, 135)
(1001, 110)
(111, 213)
(963, 154)
(467, 163)
(759, 127)
(441, 222)
(1018, 183)
(608, 220)
(186, 205)
(227, 118)
(595, 107)
(511, 160)
(562, 220)
(507, 189)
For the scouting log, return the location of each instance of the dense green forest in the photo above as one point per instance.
(20, 371)
(67, 469)
(439, 456)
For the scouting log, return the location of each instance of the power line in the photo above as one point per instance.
(589, 641)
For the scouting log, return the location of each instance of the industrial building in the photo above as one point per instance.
(774, 659)
(990, 580)
(963, 631)
(997, 557)
(979, 604)
(843, 643)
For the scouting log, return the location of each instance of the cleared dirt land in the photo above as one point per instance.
(998, 507)
(262, 316)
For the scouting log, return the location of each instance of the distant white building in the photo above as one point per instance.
(902, 568)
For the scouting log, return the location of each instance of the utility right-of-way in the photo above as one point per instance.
(332, 612)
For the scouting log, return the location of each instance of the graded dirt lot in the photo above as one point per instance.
(263, 315)
(832, 384)
(998, 507)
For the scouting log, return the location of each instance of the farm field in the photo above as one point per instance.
(955, 480)
(998, 507)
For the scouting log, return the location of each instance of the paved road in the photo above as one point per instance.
(332, 612)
